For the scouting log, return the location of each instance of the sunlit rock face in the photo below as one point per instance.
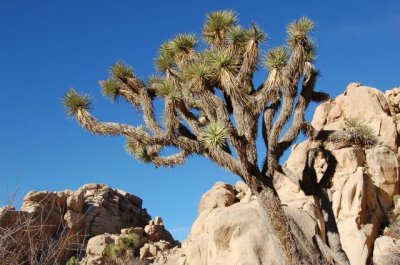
(365, 180)
(71, 217)
(230, 227)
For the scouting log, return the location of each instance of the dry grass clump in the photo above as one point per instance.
(356, 133)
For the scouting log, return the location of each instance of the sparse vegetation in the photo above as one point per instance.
(73, 261)
(360, 134)
(124, 250)
(356, 133)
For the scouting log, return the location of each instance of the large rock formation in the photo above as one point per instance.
(365, 179)
(231, 229)
(68, 218)
(153, 242)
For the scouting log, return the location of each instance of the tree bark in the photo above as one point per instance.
(285, 242)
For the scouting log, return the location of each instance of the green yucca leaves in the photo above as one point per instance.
(197, 70)
(221, 59)
(312, 50)
(215, 135)
(256, 33)
(352, 123)
(121, 70)
(238, 35)
(183, 43)
(217, 25)
(164, 61)
(359, 133)
(164, 87)
(137, 151)
(298, 30)
(111, 89)
(73, 101)
(276, 58)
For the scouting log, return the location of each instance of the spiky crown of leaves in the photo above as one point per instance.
(73, 101)
(215, 135)
(186, 70)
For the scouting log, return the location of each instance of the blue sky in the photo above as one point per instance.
(48, 46)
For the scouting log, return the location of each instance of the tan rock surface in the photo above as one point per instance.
(361, 191)
(221, 195)
(92, 210)
(365, 180)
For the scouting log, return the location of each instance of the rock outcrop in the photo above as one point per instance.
(387, 246)
(153, 242)
(365, 179)
(230, 228)
(71, 217)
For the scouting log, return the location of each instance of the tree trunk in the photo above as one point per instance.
(289, 251)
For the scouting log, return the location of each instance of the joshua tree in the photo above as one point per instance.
(212, 107)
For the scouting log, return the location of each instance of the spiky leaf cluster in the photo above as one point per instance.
(138, 151)
(111, 89)
(217, 26)
(165, 60)
(73, 101)
(164, 87)
(215, 135)
(121, 70)
(299, 29)
(276, 58)
(256, 33)
(221, 60)
(183, 43)
(196, 71)
(360, 134)
(238, 36)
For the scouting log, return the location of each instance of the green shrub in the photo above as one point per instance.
(113, 252)
(73, 261)
(124, 249)
(129, 241)
(359, 134)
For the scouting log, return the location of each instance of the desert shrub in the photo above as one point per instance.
(360, 134)
(356, 133)
(130, 241)
(124, 250)
(73, 261)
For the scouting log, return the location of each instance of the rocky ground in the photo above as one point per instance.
(230, 229)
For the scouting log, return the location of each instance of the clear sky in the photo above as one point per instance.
(49, 46)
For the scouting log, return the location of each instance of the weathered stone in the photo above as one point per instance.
(92, 210)
(75, 202)
(73, 220)
(156, 232)
(221, 195)
(385, 246)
